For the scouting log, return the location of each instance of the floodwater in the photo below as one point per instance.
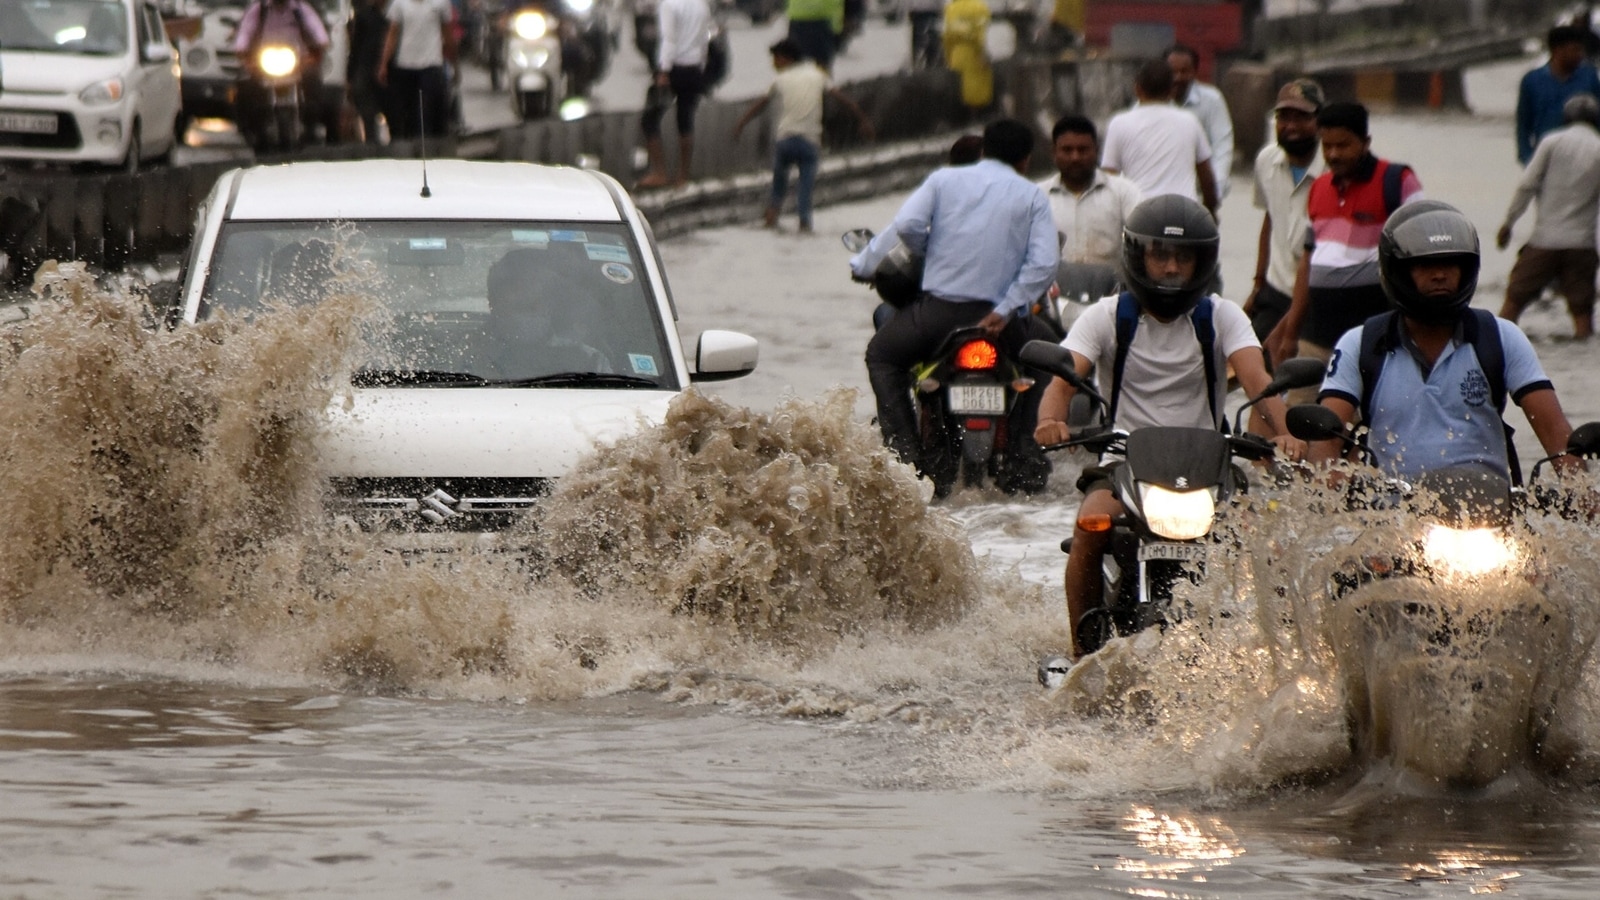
(740, 656)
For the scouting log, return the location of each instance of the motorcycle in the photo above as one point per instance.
(276, 70)
(1078, 286)
(1453, 656)
(967, 394)
(1173, 482)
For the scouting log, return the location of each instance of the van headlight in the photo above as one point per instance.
(1470, 552)
(530, 25)
(1178, 515)
(102, 93)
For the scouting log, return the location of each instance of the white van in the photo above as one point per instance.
(87, 81)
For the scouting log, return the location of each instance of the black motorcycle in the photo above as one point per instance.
(1173, 483)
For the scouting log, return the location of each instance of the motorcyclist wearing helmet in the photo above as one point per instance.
(1169, 258)
(1430, 401)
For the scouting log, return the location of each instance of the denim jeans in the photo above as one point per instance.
(794, 150)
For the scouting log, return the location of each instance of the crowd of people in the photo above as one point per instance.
(1355, 267)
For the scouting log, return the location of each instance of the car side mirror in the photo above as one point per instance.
(157, 52)
(721, 355)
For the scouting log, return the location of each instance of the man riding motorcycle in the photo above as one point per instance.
(1170, 370)
(292, 24)
(989, 246)
(1431, 377)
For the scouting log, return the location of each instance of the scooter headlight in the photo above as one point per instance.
(1469, 552)
(1177, 515)
(102, 92)
(530, 25)
(277, 61)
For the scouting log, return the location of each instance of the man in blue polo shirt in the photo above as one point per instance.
(1432, 403)
(1546, 89)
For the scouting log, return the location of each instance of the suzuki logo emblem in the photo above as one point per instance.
(1181, 483)
(438, 507)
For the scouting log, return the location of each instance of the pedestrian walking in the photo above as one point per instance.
(966, 34)
(1564, 175)
(924, 18)
(1284, 173)
(816, 25)
(368, 28)
(1089, 206)
(686, 29)
(1209, 106)
(800, 89)
(1546, 89)
(420, 41)
(1336, 287)
(1159, 147)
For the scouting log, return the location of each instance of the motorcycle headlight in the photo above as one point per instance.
(1471, 552)
(530, 25)
(102, 92)
(277, 61)
(1177, 515)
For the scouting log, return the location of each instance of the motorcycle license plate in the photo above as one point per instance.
(28, 123)
(978, 398)
(1172, 552)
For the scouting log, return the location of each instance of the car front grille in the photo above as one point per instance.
(435, 504)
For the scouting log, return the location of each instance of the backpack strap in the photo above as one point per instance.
(1394, 175)
(1204, 330)
(1379, 335)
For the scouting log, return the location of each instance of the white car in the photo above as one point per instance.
(526, 317)
(86, 81)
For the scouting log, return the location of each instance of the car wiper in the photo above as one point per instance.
(575, 379)
(386, 377)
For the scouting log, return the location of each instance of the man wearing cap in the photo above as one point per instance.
(1564, 174)
(1283, 176)
(800, 88)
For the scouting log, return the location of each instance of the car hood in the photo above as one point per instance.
(479, 432)
(55, 73)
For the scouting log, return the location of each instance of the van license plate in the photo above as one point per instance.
(28, 123)
(978, 398)
(1172, 552)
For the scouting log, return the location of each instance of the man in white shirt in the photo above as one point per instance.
(1564, 174)
(1158, 146)
(800, 89)
(1207, 104)
(1283, 176)
(419, 43)
(1089, 206)
(685, 27)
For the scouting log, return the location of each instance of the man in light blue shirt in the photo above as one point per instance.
(991, 251)
(1434, 391)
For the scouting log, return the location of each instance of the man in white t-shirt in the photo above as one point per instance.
(420, 42)
(1170, 257)
(800, 88)
(680, 67)
(1159, 147)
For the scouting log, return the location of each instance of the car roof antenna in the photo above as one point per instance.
(422, 137)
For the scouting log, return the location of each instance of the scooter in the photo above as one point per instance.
(1453, 656)
(967, 395)
(1173, 483)
(533, 60)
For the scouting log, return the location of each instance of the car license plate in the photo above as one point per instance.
(1172, 552)
(978, 398)
(28, 123)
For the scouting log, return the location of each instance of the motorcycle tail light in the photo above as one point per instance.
(978, 424)
(277, 61)
(977, 356)
(1095, 522)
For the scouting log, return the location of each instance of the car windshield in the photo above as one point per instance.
(95, 27)
(466, 304)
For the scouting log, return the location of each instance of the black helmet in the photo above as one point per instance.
(1435, 231)
(1171, 221)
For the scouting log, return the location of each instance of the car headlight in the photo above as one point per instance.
(102, 92)
(530, 25)
(1471, 552)
(277, 61)
(1177, 515)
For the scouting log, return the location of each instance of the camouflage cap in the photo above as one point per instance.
(1302, 94)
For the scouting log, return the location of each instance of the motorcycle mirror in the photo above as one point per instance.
(1300, 372)
(856, 239)
(1584, 440)
(1053, 358)
(1310, 422)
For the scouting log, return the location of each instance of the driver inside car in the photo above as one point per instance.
(534, 327)
(1169, 258)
